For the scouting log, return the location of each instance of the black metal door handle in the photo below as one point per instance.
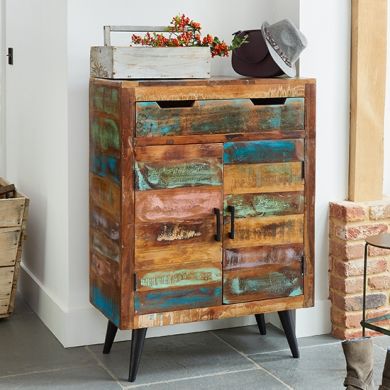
(231, 210)
(217, 213)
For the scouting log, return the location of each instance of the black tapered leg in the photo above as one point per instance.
(137, 344)
(110, 336)
(260, 319)
(287, 318)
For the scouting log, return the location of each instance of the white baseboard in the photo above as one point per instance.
(86, 326)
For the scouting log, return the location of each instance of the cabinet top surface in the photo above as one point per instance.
(213, 81)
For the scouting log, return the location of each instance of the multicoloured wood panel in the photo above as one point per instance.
(256, 273)
(219, 116)
(105, 200)
(165, 167)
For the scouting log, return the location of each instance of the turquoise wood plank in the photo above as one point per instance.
(263, 151)
(105, 304)
(183, 298)
(177, 174)
(106, 166)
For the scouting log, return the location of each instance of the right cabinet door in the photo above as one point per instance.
(263, 220)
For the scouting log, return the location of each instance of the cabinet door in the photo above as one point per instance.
(264, 201)
(178, 260)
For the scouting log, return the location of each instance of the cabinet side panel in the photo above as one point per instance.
(310, 168)
(127, 209)
(105, 190)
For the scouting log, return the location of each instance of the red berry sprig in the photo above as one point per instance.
(186, 32)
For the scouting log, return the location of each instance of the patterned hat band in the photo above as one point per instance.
(276, 47)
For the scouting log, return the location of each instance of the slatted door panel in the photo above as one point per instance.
(263, 189)
(177, 258)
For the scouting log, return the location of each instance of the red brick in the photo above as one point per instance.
(346, 251)
(355, 267)
(351, 320)
(380, 210)
(374, 251)
(354, 233)
(379, 282)
(348, 211)
(355, 302)
(346, 285)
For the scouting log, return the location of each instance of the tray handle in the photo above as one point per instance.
(108, 29)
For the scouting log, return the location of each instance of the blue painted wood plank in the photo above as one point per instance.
(263, 151)
(105, 304)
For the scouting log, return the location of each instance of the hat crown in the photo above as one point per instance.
(289, 39)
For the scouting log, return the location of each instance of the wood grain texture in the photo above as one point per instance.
(263, 151)
(265, 231)
(265, 205)
(175, 167)
(178, 299)
(177, 205)
(116, 62)
(310, 172)
(178, 255)
(185, 276)
(9, 243)
(368, 89)
(6, 278)
(263, 178)
(105, 199)
(265, 282)
(251, 257)
(218, 116)
(11, 211)
(217, 312)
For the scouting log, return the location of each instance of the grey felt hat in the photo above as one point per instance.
(285, 44)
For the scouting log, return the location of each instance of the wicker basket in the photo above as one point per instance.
(13, 219)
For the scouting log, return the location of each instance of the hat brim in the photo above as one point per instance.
(289, 71)
(266, 68)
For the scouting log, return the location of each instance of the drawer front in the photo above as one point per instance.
(172, 118)
(257, 273)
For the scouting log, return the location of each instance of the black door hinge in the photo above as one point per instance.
(135, 282)
(303, 266)
(10, 56)
(303, 170)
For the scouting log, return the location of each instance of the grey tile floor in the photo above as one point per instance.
(31, 358)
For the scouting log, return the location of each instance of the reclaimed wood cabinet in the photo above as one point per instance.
(201, 202)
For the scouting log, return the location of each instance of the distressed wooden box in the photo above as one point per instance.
(13, 219)
(113, 62)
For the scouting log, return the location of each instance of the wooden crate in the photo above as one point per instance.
(13, 219)
(139, 62)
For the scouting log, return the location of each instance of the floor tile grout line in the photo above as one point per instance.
(101, 364)
(252, 361)
(44, 371)
(286, 349)
(212, 374)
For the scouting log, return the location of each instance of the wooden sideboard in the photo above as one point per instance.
(201, 202)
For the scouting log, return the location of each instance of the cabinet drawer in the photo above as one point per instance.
(189, 286)
(262, 273)
(170, 118)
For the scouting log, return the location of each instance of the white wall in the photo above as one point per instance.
(37, 139)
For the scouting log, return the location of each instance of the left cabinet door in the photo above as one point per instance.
(178, 198)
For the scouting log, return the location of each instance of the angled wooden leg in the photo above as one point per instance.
(110, 336)
(287, 318)
(260, 319)
(137, 344)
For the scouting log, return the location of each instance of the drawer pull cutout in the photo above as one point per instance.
(269, 101)
(176, 103)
